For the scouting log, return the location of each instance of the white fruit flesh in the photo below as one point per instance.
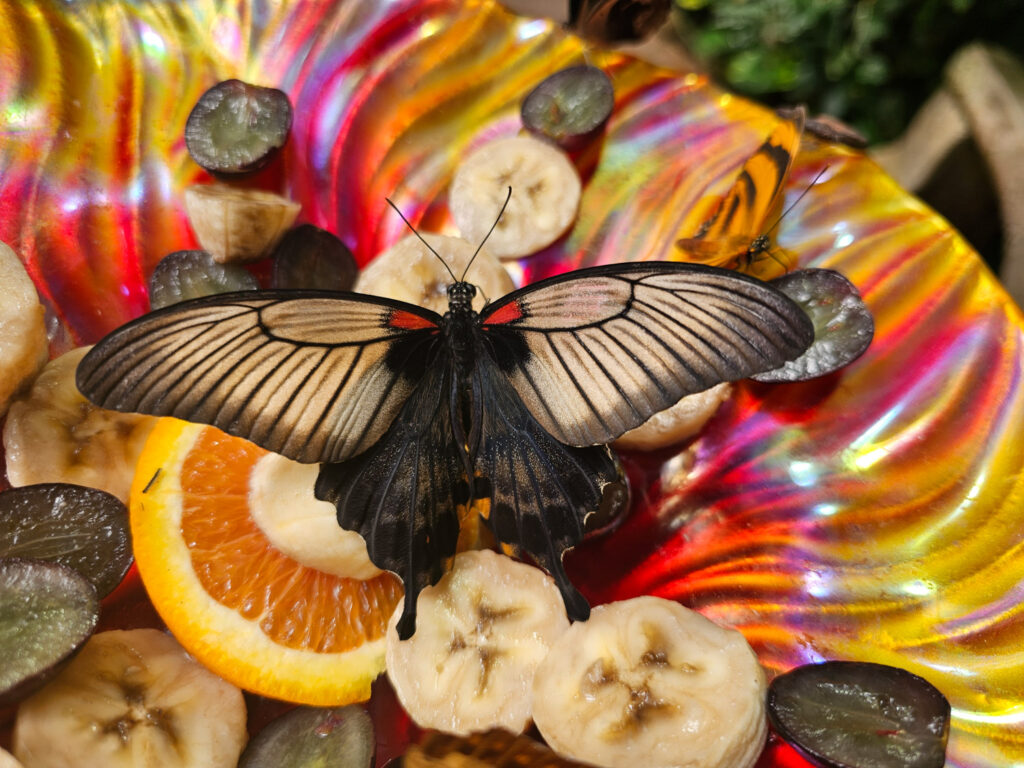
(132, 699)
(7, 760)
(23, 343)
(649, 682)
(237, 225)
(481, 631)
(680, 422)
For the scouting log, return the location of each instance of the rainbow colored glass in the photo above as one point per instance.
(875, 514)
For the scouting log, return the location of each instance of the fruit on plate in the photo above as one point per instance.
(186, 275)
(310, 257)
(54, 435)
(83, 528)
(238, 127)
(132, 699)
(7, 760)
(23, 344)
(266, 621)
(47, 612)
(546, 193)
(649, 682)
(235, 224)
(337, 737)
(409, 272)
(570, 107)
(489, 749)
(680, 422)
(480, 634)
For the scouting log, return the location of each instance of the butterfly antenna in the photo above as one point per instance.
(429, 247)
(794, 203)
(489, 231)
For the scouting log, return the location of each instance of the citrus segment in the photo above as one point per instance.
(252, 614)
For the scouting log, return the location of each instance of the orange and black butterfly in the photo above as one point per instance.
(738, 234)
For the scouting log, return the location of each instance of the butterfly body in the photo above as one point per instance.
(413, 415)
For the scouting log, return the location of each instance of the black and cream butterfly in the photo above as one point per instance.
(412, 414)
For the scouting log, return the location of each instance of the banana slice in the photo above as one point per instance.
(7, 760)
(55, 435)
(683, 420)
(23, 343)
(235, 224)
(132, 699)
(649, 682)
(545, 195)
(481, 632)
(408, 271)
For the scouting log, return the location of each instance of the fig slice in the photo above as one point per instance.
(337, 737)
(310, 257)
(236, 127)
(843, 325)
(184, 275)
(851, 714)
(570, 106)
(83, 528)
(47, 612)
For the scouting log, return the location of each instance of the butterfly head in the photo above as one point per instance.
(460, 296)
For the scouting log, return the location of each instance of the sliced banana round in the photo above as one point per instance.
(408, 271)
(23, 344)
(480, 634)
(545, 195)
(132, 699)
(649, 682)
(683, 420)
(55, 435)
(236, 224)
(7, 760)
(283, 505)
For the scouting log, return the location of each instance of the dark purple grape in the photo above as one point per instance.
(83, 528)
(237, 127)
(310, 257)
(186, 275)
(570, 107)
(843, 326)
(47, 612)
(852, 714)
(340, 737)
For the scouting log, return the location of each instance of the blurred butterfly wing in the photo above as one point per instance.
(725, 252)
(315, 376)
(596, 352)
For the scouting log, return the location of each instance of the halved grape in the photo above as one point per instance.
(186, 275)
(238, 127)
(47, 612)
(310, 257)
(83, 528)
(571, 106)
(843, 326)
(851, 714)
(340, 737)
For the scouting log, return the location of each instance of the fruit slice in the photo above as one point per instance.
(848, 714)
(341, 737)
(237, 225)
(408, 271)
(648, 682)
(680, 422)
(310, 257)
(55, 435)
(132, 699)
(570, 107)
(47, 612)
(843, 325)
(7, 760)
(545, 195)
(24, 347)
(480, 634)
(184, 275)
(237, 127)
(83, 528)
(257, 617)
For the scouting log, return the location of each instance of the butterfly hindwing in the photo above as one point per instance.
(596, 352)
(314, 376)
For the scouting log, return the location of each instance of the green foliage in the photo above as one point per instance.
(869, 62)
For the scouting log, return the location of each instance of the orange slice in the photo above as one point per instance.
(255, 616)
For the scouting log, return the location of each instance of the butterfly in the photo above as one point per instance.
(737, 234)
(412, 414)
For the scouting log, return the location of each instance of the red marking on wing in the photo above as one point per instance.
(407, 321)
(506, 314)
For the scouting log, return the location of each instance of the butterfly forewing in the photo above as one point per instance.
(597, 352)
(316, 377)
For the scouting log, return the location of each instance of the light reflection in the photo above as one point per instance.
(1010, 716)
(919, 588)
(531, 29)
(804, 473)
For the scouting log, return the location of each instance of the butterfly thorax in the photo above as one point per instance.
(461, 323)
(760, 244)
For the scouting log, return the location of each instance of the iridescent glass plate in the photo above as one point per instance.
(875, 514)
